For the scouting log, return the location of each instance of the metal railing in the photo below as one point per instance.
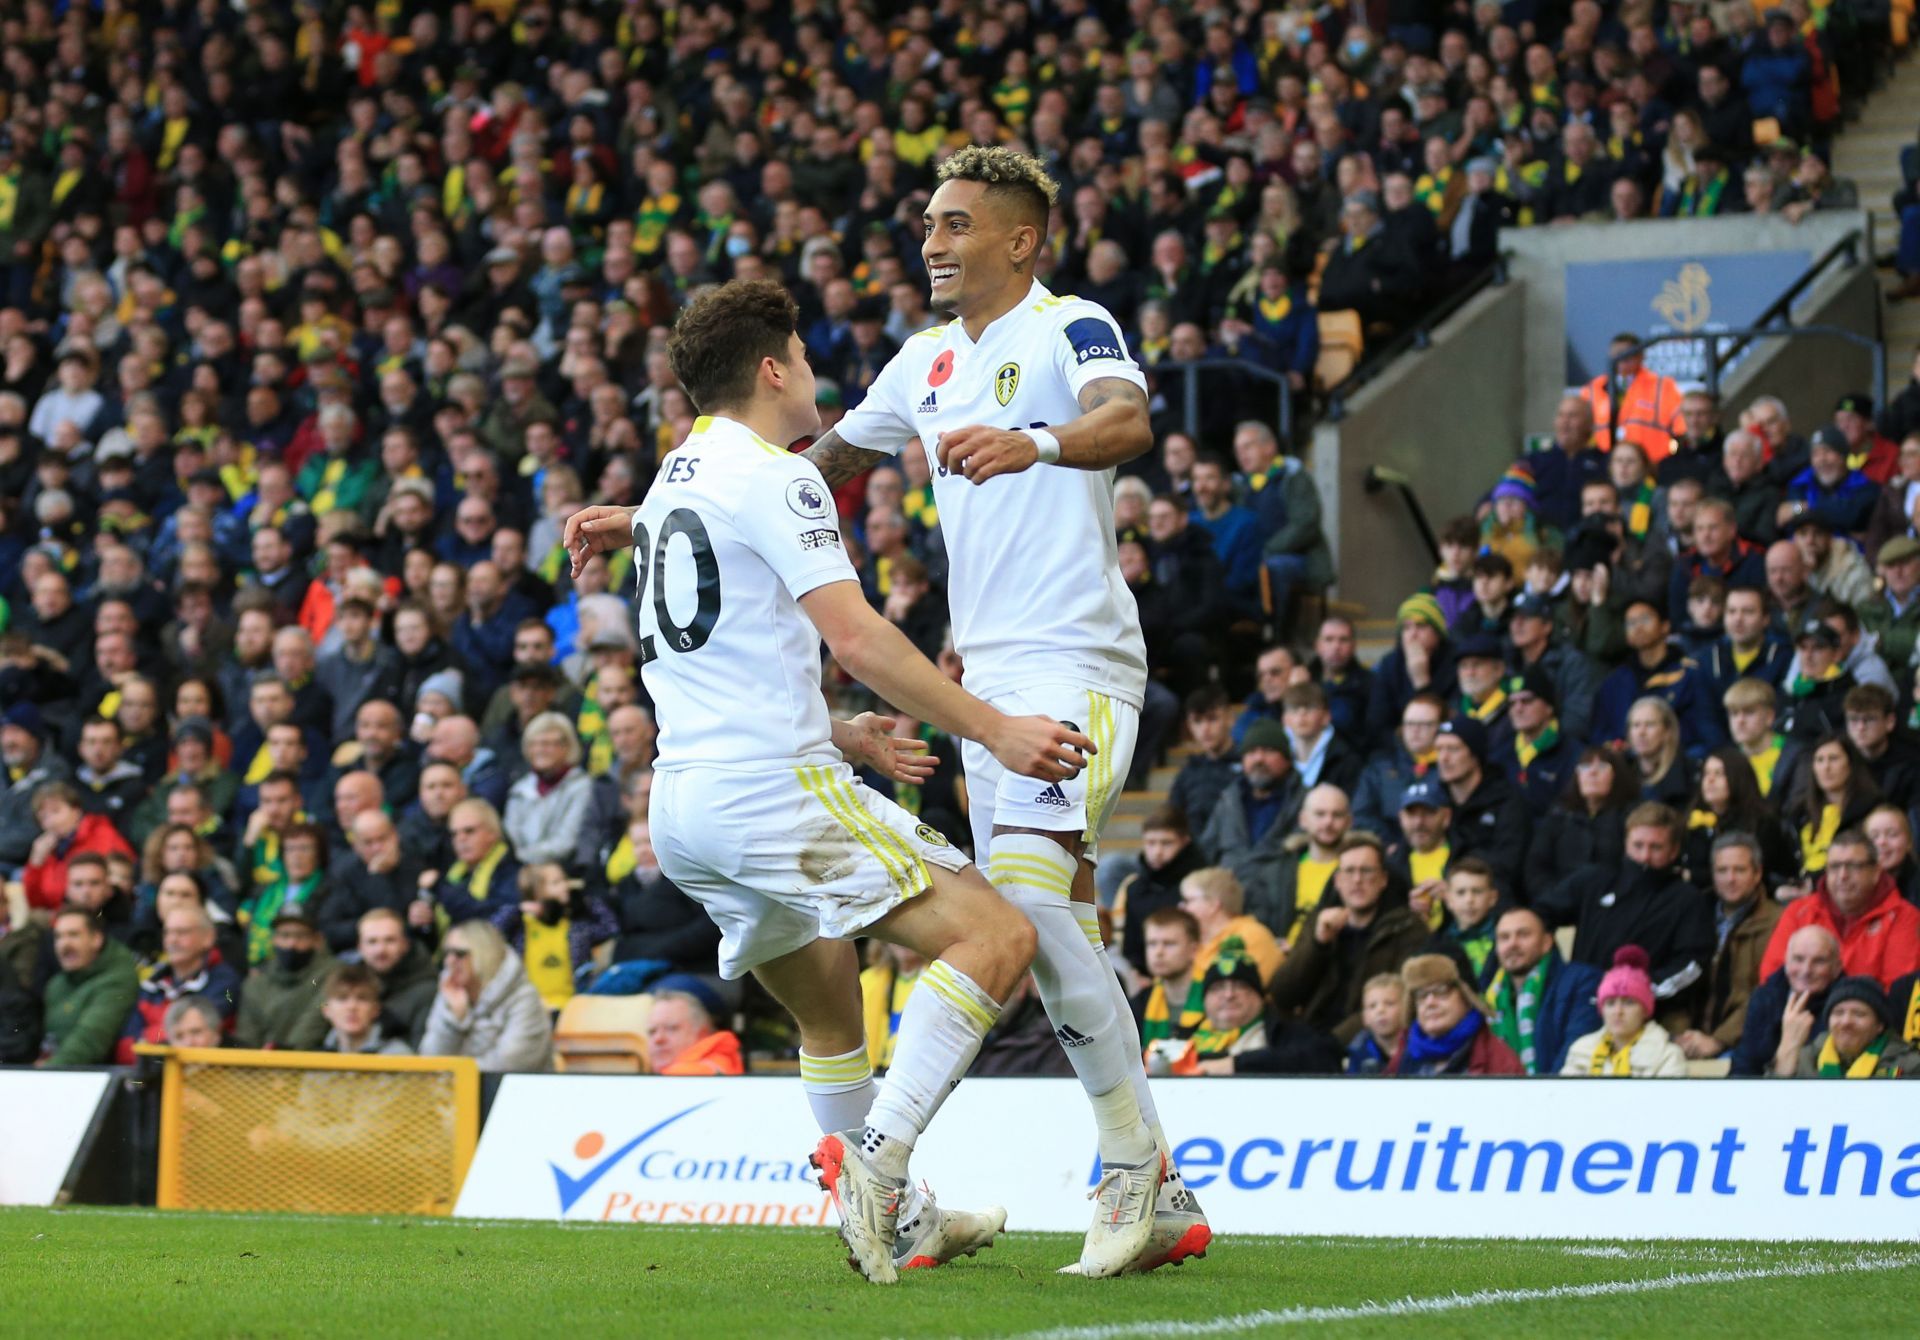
(1724, 348)
(1382, 477)
(1190, 369)
(1419, 335)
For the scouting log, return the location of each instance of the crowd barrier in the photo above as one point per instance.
(315, 1132)
(1737, 1159)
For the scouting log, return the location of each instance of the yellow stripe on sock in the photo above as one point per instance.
(814, 781)
(838, 1069)
(916, 868)
(1089, 925)
(1034, 874)
(941, 980)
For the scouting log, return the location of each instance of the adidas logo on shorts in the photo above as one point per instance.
(1054, 796)
(1071, 1037)
(927, 406)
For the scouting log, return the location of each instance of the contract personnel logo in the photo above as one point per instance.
(1006, 381)
(588, 1146)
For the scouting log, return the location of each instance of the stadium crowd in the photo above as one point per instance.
(317, 323)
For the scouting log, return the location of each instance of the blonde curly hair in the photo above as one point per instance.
(1007, 173)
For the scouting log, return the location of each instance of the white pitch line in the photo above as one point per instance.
(1418, 1307)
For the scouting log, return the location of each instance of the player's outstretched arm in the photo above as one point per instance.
(881, 657)
(869, 739)
(597, 530)
(1112, 429)
(838, 460)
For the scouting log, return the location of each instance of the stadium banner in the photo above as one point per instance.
(1679, 295)
(44, 1117)
(1440, 1158)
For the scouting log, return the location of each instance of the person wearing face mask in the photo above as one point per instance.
(280, 1002)
(554, 928)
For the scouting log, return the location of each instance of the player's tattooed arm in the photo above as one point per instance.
(1112, 428)
(838, 460)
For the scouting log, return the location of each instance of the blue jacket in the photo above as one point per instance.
(1236, 542)
(1846, 507)
(1760, 1036)
(1777, 83)
(1567, 1011)
(1676, 679)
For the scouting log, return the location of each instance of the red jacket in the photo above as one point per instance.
(1488, 1056)
(46, 883)
(1882, 942)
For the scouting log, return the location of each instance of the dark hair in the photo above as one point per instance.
(1828, 608)
(1462, 531)
(1872, 698)
(1174, 916)
(1308, 694)
(722, 336)
(1473, 865)
(351, 977)
(1746, 808)
(1204, 700)
(1806, 802)
(1492, 565)
(1167, 819)
(1621, 796)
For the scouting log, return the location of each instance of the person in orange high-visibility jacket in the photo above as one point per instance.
(683, 1037)
(1649, 411)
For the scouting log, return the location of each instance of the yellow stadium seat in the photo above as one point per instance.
(1563, 940)
(1342, 341)
(1717, 1068)
(602, 1035)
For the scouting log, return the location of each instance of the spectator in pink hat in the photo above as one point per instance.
(1628, 1044)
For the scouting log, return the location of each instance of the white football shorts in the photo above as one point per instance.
(783, 858)
(1081, 804)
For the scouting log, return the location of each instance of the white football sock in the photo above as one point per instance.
(1089, 916)
(940, 1032)
(1036, 873)
(840, 1089)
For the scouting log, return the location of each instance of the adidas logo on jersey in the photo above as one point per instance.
(1053, 795)
(927, 406)
(1071, 1037)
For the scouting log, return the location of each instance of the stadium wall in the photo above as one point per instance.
(1450, 417)
(1541, 256)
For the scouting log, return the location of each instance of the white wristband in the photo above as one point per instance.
(1046, 444)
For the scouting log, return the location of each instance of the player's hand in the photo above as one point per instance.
(869, 740)
(978, 453)
(597, 530)
(1039, 747)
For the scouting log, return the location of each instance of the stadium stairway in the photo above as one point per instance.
(1868, 154)
(1122, 835)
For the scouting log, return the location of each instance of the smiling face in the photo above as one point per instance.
(972, 244)
(1232, 1004)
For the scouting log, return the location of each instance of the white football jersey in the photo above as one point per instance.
(1034, 582)
(733, 531)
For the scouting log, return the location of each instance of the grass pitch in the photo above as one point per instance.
(141, 1273)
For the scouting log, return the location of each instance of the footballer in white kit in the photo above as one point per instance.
(754, 812)
(1024, 404)
(739, 575)
(1041, 615)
